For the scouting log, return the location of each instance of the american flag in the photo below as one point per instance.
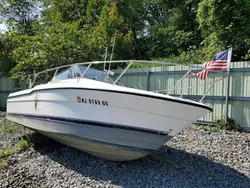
(219, 63)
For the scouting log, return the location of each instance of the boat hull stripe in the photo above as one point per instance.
(93, 123)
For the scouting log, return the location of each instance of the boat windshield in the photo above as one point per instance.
(99, 75)
(94, 74)
(68, 73)
(91, 73)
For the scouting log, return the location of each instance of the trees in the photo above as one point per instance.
(45, 33)
(6, 45)
(20, 15)
(172, 27)
(224, 24)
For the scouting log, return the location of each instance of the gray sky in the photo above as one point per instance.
(3, 28)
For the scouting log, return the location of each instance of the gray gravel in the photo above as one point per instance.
(194, 158)
(9, 138)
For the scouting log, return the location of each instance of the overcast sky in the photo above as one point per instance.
(3, 28)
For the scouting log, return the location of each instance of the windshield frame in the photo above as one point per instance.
(85, 72)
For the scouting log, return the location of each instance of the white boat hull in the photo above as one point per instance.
(114, 125)
(109, 143)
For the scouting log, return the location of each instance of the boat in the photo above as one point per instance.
(89, 109)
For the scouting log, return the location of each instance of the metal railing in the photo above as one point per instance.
(130, 62)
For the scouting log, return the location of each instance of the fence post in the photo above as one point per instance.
(227, 95)
(148, 79)
(229, 56)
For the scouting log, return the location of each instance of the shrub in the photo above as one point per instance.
(230, 125)
(220, 124)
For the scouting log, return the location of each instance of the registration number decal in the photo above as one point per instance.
(91, 101)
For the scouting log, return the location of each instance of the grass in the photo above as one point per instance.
(7, 127)
(20, 146)
(10, 127)
(25, 142)
(6, 152)
(4, 164)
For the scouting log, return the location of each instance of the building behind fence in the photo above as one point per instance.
(161, 78)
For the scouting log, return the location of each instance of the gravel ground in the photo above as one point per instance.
(9, 138)
(194, 158)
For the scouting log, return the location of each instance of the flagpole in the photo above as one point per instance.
(229, 56)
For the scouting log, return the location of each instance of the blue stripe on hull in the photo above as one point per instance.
(93, 123)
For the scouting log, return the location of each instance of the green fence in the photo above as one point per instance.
(160, 78)
(6, 87)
